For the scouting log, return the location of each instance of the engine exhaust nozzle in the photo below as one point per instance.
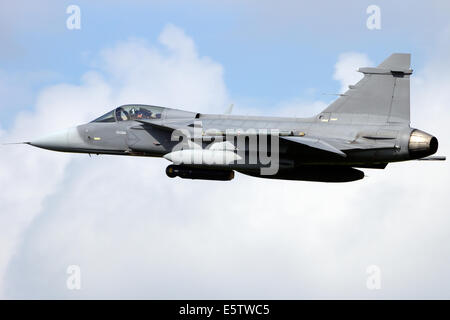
(421, 144)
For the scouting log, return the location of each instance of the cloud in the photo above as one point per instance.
(345, 70)
(29, 176)
(168, 74)
(137, 234)
(174, 75)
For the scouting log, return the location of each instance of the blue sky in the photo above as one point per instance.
(270, 52)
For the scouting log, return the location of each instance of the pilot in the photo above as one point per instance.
(125, 115)
(148, 114)
(122, 115)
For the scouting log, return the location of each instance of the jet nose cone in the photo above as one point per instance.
(57, 141)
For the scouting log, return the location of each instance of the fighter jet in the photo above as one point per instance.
(366, 127)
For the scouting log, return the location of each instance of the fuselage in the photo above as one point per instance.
(391, 142)
(368, 126)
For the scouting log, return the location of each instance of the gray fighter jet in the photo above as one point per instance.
(366, 127)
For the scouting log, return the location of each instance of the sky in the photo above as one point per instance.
(134, 233)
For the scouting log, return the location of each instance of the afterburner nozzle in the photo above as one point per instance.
(421, 144)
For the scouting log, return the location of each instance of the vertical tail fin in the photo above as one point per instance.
(382, 96)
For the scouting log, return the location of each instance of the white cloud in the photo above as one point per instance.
(29, 176)
(170, 75)
(346, 68)
(174, 76)
(137, 234)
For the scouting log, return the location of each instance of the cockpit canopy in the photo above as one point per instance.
(131, 112)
